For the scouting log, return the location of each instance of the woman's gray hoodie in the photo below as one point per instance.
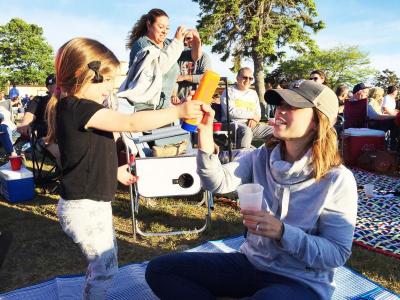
(319, 217)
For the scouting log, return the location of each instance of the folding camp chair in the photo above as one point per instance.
(161, 176)
(355, 114)
(44, 165)
(226, 138)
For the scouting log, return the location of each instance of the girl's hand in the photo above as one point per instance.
(207, 121)
(262, 223)
(124, 175)
(205, 126)
(175, 100)
(190, 109)
(180, 33)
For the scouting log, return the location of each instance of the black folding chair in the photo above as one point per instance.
(44, 165)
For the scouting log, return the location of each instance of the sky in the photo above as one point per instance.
(372, 25)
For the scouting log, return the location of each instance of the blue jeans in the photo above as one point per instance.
(5, 139)
(210, 275)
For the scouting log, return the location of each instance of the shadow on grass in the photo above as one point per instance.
(167, 214)
(40, 249)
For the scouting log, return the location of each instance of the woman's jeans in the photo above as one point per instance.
(210, 275)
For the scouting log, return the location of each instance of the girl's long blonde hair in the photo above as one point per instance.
(73, 73)
(325, 151)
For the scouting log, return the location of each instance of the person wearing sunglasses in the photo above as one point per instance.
(318, 76)
(244, 110)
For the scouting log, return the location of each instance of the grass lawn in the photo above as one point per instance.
(41, 250)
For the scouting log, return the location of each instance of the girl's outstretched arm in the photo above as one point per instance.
(109, 120)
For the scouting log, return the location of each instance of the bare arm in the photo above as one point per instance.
(390, 112)
(385, 117)
(28, 119)
(109, 120)
(206, 140)
(196, 46)
(24, 127)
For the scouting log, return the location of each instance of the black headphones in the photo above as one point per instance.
(95, 67)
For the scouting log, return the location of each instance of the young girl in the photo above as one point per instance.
(305, 227)
(83, 129)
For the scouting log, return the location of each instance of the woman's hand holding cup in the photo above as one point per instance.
(263, 223)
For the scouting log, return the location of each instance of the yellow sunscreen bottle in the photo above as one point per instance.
(205, 91)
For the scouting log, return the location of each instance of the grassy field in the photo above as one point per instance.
(41, 250)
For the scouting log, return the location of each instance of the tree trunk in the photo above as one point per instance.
(259, 75)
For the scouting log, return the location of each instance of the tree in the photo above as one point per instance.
(342, 65)
(25, 55)
(259, 30)
(386, 78)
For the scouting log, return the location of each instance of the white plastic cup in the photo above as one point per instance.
(369, 190)
(250, 196)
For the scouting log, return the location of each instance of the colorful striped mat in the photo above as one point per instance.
(378, 218)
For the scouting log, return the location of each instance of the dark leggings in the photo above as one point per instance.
(210, 275)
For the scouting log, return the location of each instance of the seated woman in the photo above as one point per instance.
(305, 227)
(379, 120)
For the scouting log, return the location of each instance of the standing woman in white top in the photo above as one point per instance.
(389, 101)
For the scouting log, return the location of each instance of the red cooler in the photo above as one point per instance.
(358, 140)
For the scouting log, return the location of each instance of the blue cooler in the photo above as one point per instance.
(16, 186)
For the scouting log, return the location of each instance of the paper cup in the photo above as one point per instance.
(369, 190)
(15, 162)
(250, 196)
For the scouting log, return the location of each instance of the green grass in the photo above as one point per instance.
(41, 250)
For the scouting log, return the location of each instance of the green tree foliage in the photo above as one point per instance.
(25, 55)
(260, 30)
(386, 78)
(342, 65)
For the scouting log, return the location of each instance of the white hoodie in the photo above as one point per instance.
(319, 217)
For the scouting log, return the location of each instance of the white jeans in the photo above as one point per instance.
(89, 223)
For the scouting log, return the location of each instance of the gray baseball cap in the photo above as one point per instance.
(306, 93)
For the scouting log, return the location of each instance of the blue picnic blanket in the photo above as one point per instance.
(130, 283)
